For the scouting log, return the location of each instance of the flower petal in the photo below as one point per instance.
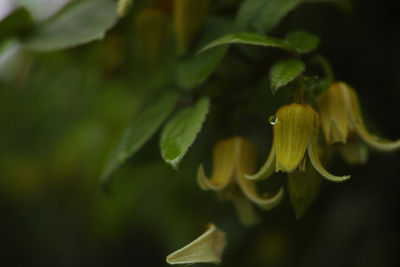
(303, 188)
(333, 115)
(336, 133)
(247, 159)
(247, 164)
(224, 159)
(264, 202)
(247, 156)
(354, 152)
(356, 120)
(314, 156)
(266, 170)
(292, 134)
(207, 248)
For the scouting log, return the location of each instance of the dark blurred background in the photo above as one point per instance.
(61, 112)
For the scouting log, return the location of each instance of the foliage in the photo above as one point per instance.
(138, 92)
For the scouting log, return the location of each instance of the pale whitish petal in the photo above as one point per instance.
(207, 248)
(313, 155)
(266, 170)
(356, 121)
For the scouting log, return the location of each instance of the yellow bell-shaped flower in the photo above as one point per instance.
(189, 16)
(341, 118)
(151, 25)
(232, 158)
(295, 133)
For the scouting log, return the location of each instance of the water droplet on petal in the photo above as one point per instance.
(273, 120)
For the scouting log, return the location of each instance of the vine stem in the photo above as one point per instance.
(299, 91)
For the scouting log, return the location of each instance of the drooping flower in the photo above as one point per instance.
(152, 28)
(232, 158)
(295, 133)
(189, 16)
(341, 120)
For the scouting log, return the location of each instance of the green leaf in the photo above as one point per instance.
(15, 23)
(249, 38)
(285, 71)
(263, 15)
(345, 6)
(78, 23)
(181, 131)
(143, 126)
(42, 9)
(326, 66)
(303, 188)
(317, 86)
(302, 41)
(195, 70)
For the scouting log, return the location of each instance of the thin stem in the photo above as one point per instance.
(299, 91)
(326, 66)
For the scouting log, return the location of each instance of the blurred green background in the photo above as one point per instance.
(61, 113)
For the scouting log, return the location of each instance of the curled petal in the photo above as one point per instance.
(266, 170)
(247, 160)
(216, 183)
(376, 142)
(207, 248)
(292, 134)
(356, 121)
(314, 157)
(313, 154)
(249, 190)
(202, 180)
(224, 159)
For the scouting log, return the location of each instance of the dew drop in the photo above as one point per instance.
(273, 120)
